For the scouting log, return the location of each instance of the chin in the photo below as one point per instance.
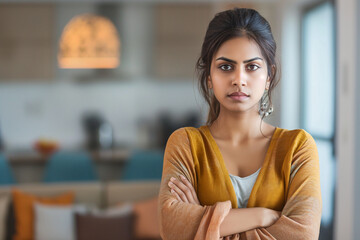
(237, 109)
(240, 108)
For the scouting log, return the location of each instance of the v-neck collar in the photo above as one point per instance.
(222, 162)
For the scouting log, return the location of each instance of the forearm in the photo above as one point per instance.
(240, 220)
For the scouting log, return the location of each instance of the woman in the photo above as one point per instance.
(238, 177)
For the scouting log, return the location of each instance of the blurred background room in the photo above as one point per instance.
(90, 91)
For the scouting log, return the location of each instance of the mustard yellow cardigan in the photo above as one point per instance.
(289, 181)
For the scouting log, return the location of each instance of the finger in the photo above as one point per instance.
(176, 195)
(191, 187)
(182, 195)
(184, 190)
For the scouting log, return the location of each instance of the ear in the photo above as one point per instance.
(209, 83)
(267, 83)
(273, 69)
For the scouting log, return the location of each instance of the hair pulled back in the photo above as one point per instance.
(237, 22)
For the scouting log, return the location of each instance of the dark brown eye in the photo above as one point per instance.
(252, 67)
(225, 67)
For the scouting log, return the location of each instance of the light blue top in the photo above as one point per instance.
(243, 187)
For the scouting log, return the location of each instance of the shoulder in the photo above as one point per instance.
(186, 134)
(296, 138)
(298, 146)
(178, 134)
(182, 136)
(188, 138)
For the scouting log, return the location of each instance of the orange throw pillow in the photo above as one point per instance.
(24, 210)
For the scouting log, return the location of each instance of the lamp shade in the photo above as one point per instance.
(89, 41)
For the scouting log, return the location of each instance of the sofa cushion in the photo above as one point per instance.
(56, 222)
(24, 210)
(93, 227)
(88, 193)
(92, 194)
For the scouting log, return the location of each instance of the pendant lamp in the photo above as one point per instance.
(89, 41)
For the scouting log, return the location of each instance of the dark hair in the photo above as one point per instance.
(238, 22)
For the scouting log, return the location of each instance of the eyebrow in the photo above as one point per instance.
(233, 61)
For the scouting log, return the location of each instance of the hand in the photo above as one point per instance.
(269, 217)
(183, 190)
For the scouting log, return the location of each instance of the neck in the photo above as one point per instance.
(237, 127)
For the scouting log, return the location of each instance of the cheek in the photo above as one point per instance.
(260, 78)
(219, 80)
(262, 73)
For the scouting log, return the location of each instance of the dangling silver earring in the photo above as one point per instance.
(263, 107)
(264, 110)
(271, 109)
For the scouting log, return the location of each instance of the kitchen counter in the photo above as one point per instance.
(34, 157)
(29, 165)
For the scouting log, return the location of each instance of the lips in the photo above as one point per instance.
(238, 94)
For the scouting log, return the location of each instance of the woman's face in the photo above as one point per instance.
(238, 75)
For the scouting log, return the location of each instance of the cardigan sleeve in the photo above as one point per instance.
(179, 220)
(301, 215)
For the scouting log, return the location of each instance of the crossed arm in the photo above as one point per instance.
(182, 217)
(245, 219)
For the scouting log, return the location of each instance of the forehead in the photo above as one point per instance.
(239, 48)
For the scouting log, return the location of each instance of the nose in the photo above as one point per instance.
(239, 79)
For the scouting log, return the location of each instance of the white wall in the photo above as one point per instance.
(30, 111)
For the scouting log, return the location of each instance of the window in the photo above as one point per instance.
(318, 98)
